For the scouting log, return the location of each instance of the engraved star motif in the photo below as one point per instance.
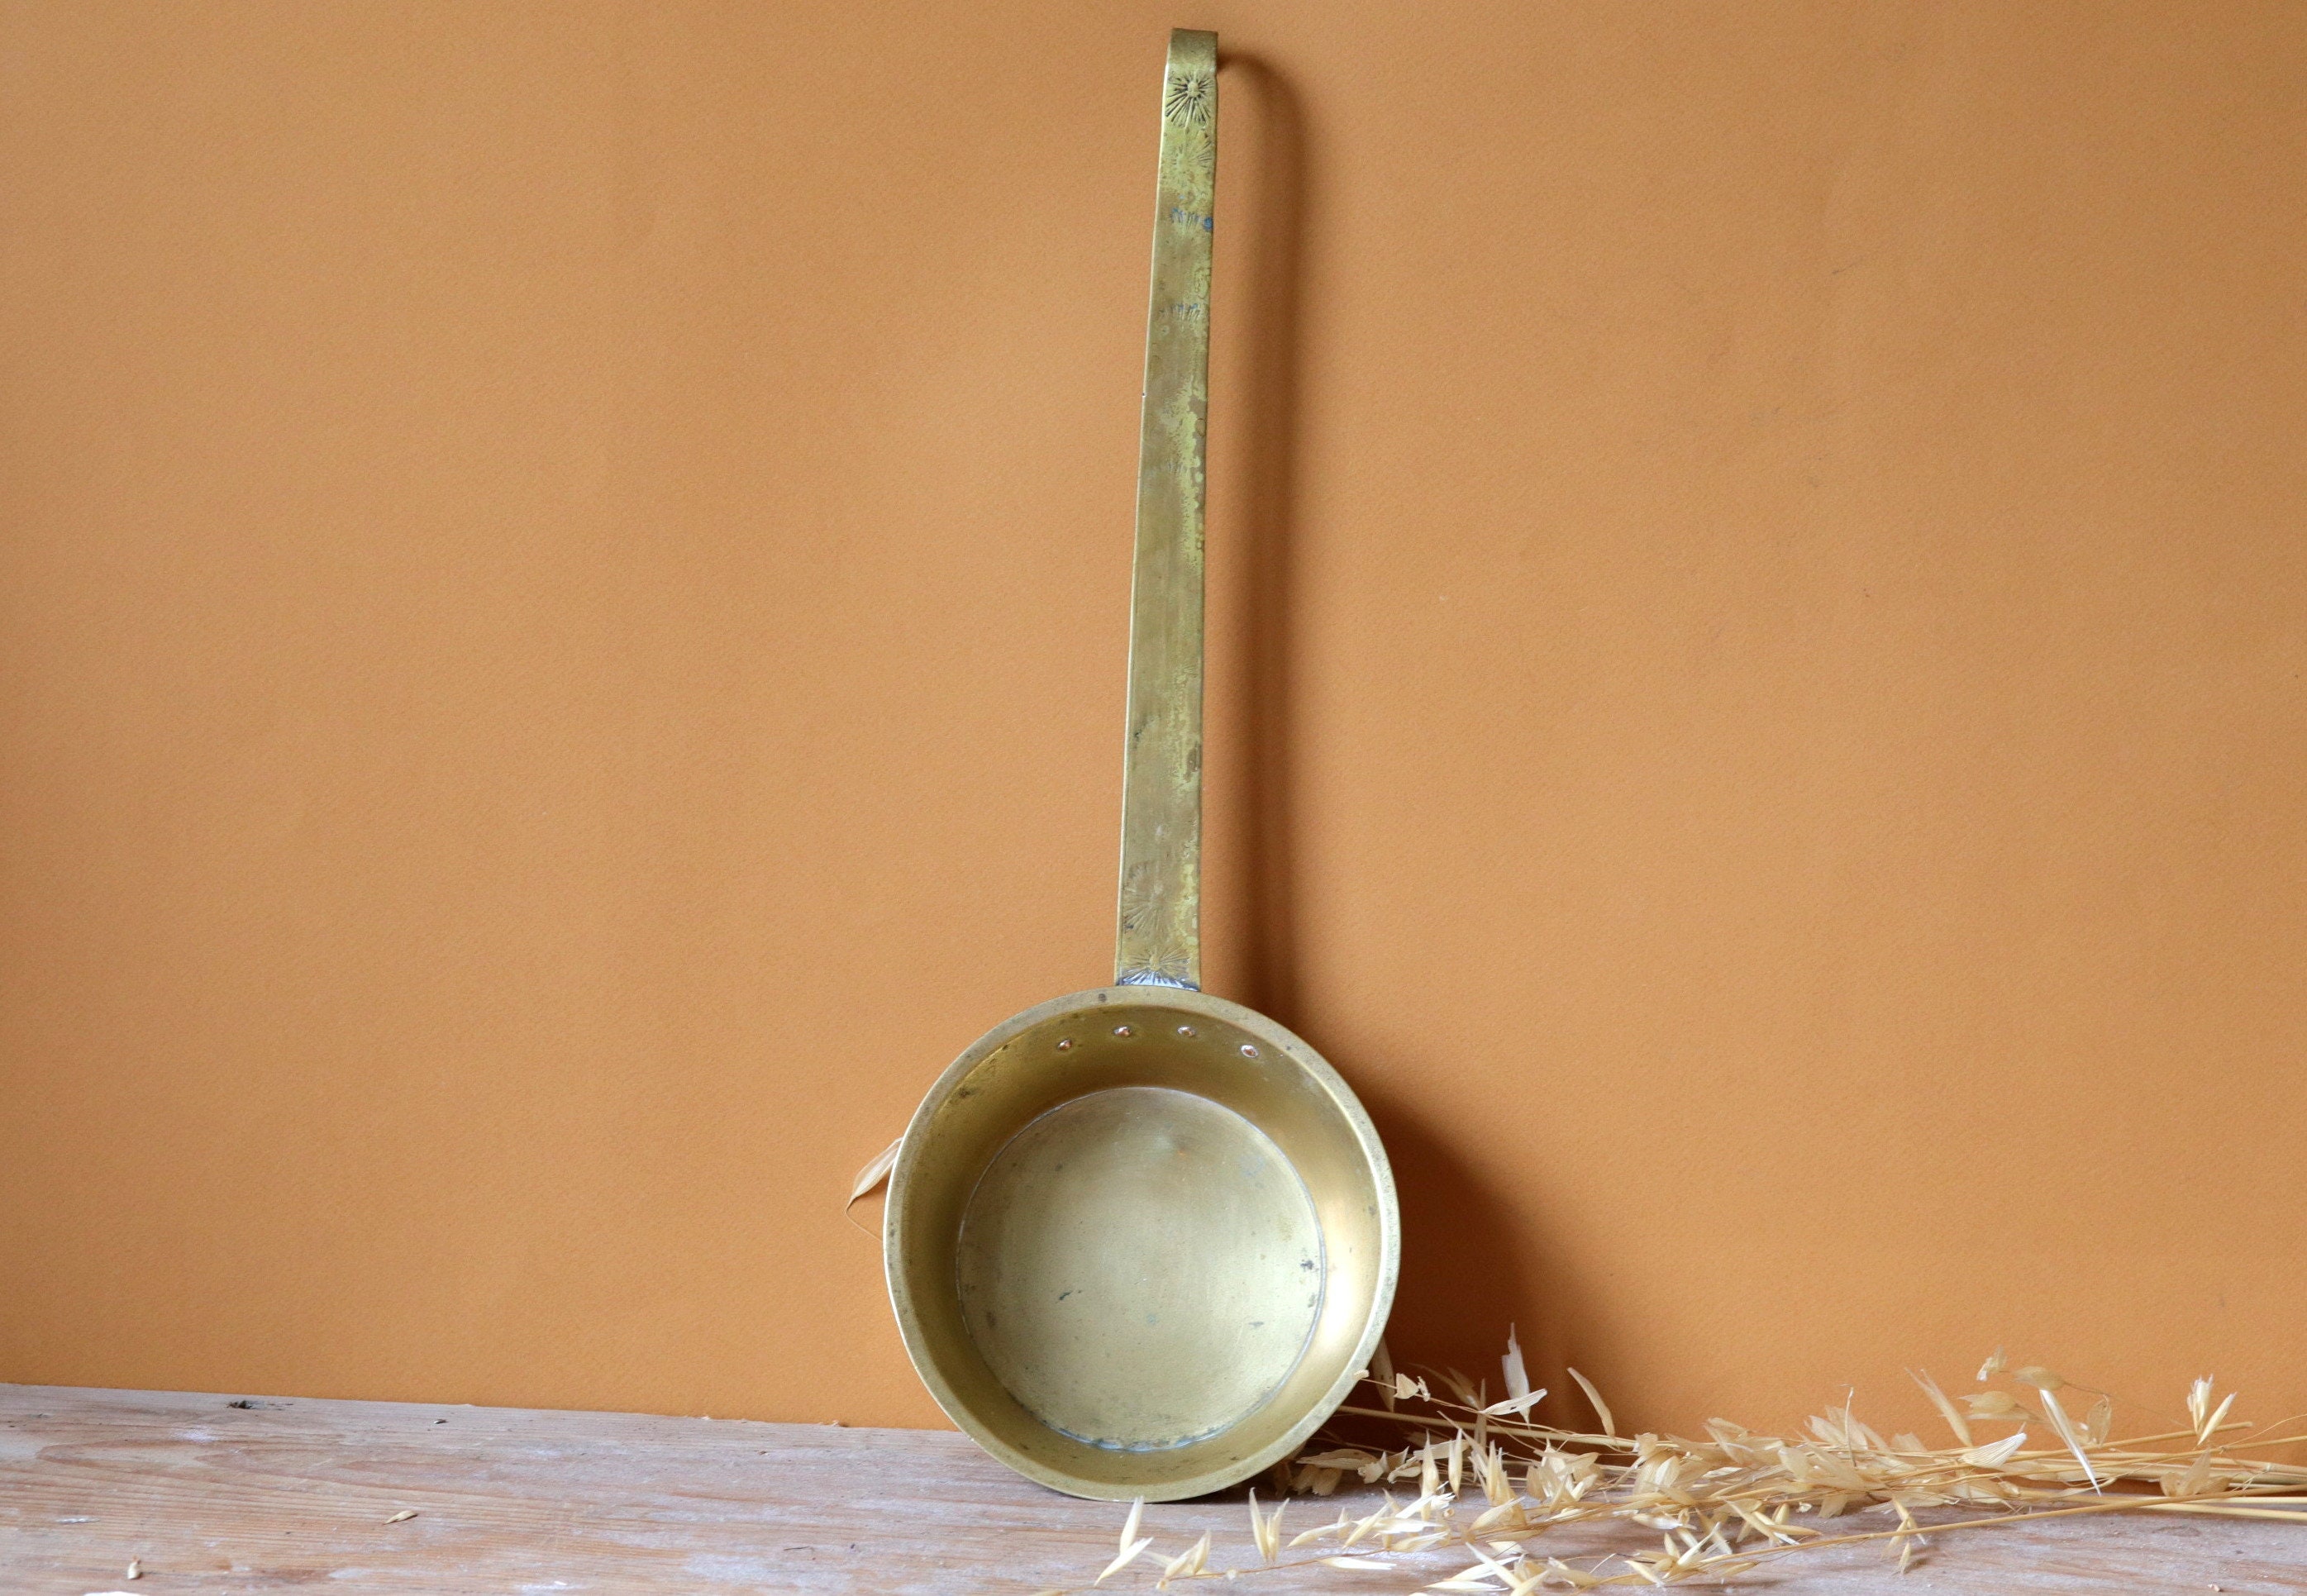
(1188, 100)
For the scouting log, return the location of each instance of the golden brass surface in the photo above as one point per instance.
(1141, 1240)
(1040, 1272)
(1160, 935)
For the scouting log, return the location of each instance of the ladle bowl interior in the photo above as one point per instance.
(1141, 1241)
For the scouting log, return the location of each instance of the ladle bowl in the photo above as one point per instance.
(1141, 1241)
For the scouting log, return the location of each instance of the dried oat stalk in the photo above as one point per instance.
(1485, 1479)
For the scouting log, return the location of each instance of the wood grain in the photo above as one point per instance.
(288, 1493)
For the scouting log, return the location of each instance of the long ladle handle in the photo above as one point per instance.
(1160, 937)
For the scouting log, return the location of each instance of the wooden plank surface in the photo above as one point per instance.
(214, 1494)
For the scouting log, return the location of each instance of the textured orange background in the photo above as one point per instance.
(562, 646)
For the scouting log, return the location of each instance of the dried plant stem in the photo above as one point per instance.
(2003, 1520)
(1725, 1504)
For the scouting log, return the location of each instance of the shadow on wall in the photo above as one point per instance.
(1463, 1283)
(1268, 493)
(1467, 1273)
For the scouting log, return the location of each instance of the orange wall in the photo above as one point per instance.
(562, 645)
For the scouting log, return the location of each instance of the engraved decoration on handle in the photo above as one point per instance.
(1159, 940)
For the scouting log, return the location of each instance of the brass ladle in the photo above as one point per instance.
(1141, 1240)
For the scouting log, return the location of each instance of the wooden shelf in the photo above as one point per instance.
(214, 1493)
